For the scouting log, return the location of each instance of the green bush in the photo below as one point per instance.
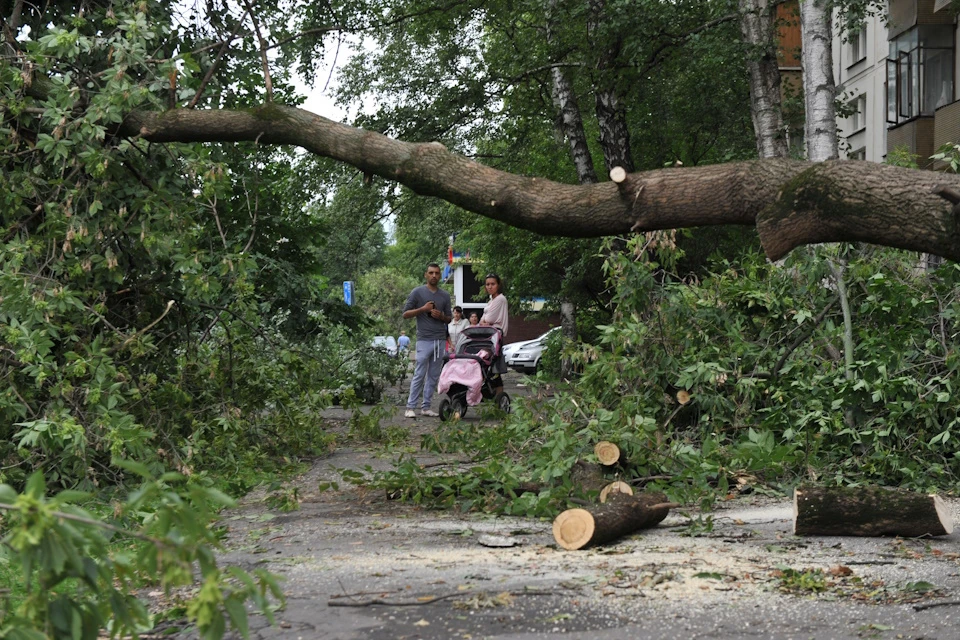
(741, 377)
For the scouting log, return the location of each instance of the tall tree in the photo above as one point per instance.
(569, 118)
(786, 200)
(758, 20)
(819, 88)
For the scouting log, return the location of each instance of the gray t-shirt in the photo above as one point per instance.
(429, 328)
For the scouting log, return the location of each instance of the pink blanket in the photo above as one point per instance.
(466, 372)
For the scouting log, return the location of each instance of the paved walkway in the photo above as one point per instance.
(356, 565)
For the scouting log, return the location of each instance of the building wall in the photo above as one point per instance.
(530, 327)
(946, 126)
(866, 78)
(927, 13)
(916, 136)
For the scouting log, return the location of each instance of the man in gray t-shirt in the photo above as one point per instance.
(430, 305)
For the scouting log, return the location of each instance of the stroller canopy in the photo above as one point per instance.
(481, 341)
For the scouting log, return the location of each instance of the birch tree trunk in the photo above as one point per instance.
(820, 131)
(569, 117)
(758, 26)
(610, 109)
(570, 125)
(568, 327)
(614, 135)
(819, 89)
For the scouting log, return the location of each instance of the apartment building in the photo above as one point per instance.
(897, 73)
(860, 71)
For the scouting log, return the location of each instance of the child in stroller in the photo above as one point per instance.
(469, 375)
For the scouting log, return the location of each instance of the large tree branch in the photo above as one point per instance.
(791, 202)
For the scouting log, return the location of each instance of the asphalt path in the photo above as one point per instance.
(355, 565)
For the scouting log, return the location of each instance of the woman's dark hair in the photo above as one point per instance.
(497, 278)
(460, 309)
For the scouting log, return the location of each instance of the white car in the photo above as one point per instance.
(525, 356)
(387, 344)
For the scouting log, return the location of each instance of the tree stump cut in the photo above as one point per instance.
(615, 487)
(621, 515)
(607, 453)
(868, 511)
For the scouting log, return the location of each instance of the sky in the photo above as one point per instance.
(320, 98)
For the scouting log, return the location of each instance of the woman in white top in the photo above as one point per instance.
(455, 329)
(496, 314)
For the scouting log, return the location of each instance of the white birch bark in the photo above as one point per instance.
(819, 89)
(569, 117)
(610, 110)
(757, 24)
(570, 125)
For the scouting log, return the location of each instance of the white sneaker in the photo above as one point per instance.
(409, 414)
(429, 413)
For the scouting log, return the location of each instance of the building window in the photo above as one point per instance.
(919, 72)
(857, 44)
(859, 154)
(858, 119)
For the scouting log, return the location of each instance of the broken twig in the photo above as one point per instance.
(426, 599)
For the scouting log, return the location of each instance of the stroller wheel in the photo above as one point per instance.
(445, 412)
(503, 402)
(459, 407)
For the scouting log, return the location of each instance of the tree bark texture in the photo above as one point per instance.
(791, 202)
(819, 89)
(610, 110)
(618, 486)
(568, 328)
(570, 125)
(868, 511)
(614, 134)
(569, 117)
(587, 477)
(758, 26)
(621, 515)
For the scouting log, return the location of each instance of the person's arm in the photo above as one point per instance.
(444, 315)
(409, 311)
(412, 313)
(491, 314)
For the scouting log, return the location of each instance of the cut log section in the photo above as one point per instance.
(615, 487)
(607, 453)
(620, 516)
(868, 511)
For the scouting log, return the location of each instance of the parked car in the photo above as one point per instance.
(525, 356)
(387, 344)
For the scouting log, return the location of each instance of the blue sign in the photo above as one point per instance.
(348, 292)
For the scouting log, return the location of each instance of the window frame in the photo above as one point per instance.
(907, 69)
(858, 119)
(857, 45)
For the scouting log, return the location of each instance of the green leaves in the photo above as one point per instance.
(84, 580)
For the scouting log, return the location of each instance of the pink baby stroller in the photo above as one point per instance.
(471, 374)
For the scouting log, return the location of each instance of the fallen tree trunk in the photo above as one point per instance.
(621, 515)
(868, 511)
(790, 202)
